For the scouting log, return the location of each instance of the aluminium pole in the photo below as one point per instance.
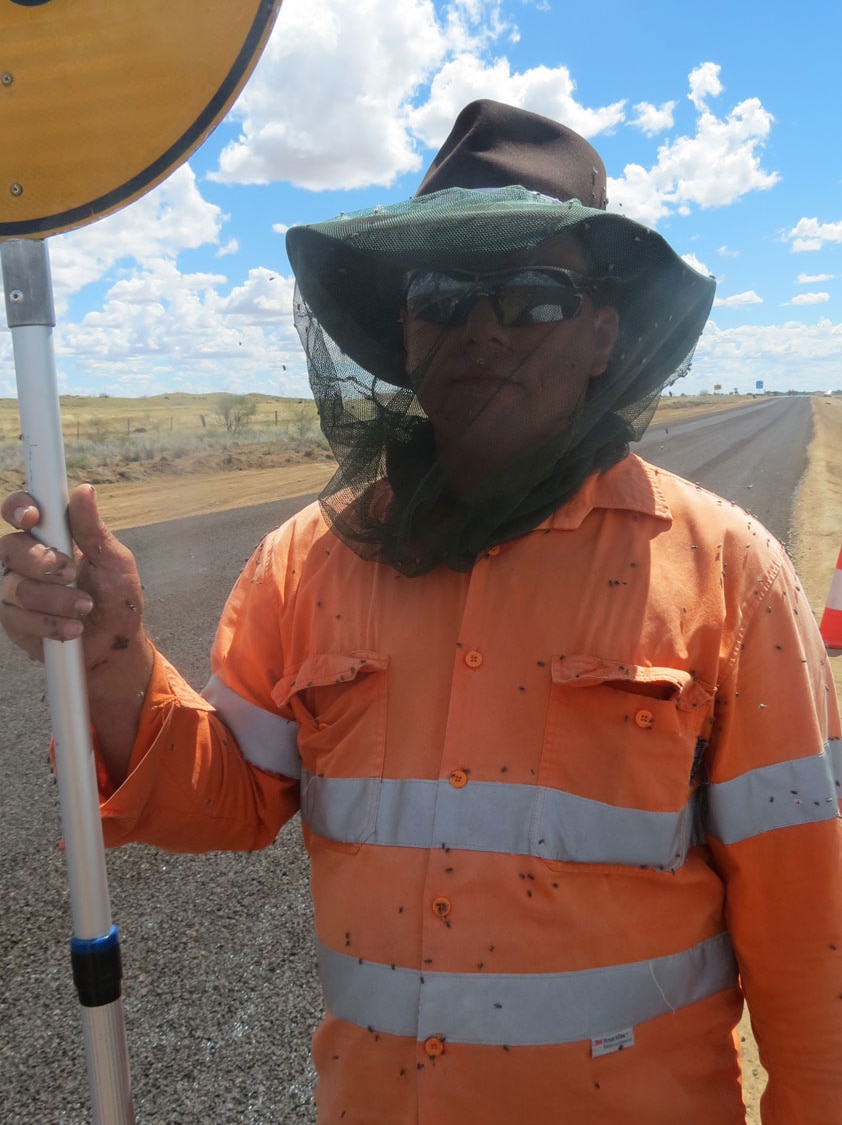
(95, 946)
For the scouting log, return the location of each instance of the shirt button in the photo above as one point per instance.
(473, 658)
(442, 907)
(434, 1046)
(645, 719)
(458, 779)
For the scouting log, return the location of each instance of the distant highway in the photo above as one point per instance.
(754, 454)
(220, 984)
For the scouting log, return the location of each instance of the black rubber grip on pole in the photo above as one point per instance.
(97, 969)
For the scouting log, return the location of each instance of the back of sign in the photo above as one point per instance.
(100, 101)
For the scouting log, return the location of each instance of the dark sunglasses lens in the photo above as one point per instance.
(518, 298)
(436, 297)
(539, 304)
(440, 309)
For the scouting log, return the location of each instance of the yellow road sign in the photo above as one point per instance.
(101, 99)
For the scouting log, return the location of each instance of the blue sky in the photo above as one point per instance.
(718, 124)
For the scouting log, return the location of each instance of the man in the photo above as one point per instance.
(558, 723)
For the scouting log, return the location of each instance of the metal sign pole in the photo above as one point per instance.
(95, 947)
(95, 110)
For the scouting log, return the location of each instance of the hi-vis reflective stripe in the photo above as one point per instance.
(803, 791)
(266, 740)
(555, 825)
(522, 1009)
(490, 816)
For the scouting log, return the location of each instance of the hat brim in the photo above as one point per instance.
(351, 271)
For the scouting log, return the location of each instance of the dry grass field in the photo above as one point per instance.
(128, 447)
(107, 416)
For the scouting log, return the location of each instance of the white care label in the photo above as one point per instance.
(608, 1044)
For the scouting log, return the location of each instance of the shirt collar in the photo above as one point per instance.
(630, 485)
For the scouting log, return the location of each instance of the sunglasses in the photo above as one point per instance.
(519, 297)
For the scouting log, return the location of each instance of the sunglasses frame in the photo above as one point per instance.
(475, 285)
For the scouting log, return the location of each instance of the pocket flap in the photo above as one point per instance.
(675, 684)
(327, 669)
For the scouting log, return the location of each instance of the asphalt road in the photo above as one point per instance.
(220, 986)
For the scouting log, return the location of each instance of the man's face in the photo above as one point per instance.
(495, 393)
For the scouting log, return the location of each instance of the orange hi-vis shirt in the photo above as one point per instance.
(563, 811)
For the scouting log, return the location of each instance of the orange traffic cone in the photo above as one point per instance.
(831, 626)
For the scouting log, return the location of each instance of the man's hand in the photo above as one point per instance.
(105, 608)
(36, 598)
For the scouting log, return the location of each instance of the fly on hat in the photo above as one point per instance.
(504, 181)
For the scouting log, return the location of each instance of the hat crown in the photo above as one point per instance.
(496, 145)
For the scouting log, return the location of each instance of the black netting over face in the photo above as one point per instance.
(453, 437)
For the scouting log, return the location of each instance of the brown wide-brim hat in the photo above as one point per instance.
(504, 181)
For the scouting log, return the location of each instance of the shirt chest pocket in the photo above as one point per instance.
(339, 702)
(622, 745)
(621, 733)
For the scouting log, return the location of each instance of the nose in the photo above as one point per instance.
(482, 322)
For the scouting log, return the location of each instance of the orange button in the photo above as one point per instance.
(442, 907)
(645, 719)
(473, 658)
(434, 1046)
(458, 779)
(493, 552)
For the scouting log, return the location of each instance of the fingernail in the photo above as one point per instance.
(19, 514)
(62, 567)
(72, 630)
(84, 605)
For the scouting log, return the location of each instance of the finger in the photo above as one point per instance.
(20, 510)
(28, 629)
(20, 553)
(43, 598)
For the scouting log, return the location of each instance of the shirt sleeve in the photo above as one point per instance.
(775, 832)
(191, 785)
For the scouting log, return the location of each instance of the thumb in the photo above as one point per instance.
(89, 532)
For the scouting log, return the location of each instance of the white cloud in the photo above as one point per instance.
(356, 125)
(738, 300)
(265, 297)
(159, 329)
(704, 83)
(813, 279)
(545, 90)
(724, 252)
(810, 234)
(792, 355)
(362, 122)
(232, 246)
(809, 299)
(693, 261)
(172, 218)
(713, 168)
(326, 104)
(653, 119)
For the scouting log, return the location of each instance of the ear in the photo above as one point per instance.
(606, 329)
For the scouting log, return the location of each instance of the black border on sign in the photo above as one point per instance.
(169, 160)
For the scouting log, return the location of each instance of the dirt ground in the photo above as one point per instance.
(218, 482)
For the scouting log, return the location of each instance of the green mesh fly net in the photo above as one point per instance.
(393, 498)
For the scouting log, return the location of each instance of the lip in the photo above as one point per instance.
(476, 369)
(481, 377)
